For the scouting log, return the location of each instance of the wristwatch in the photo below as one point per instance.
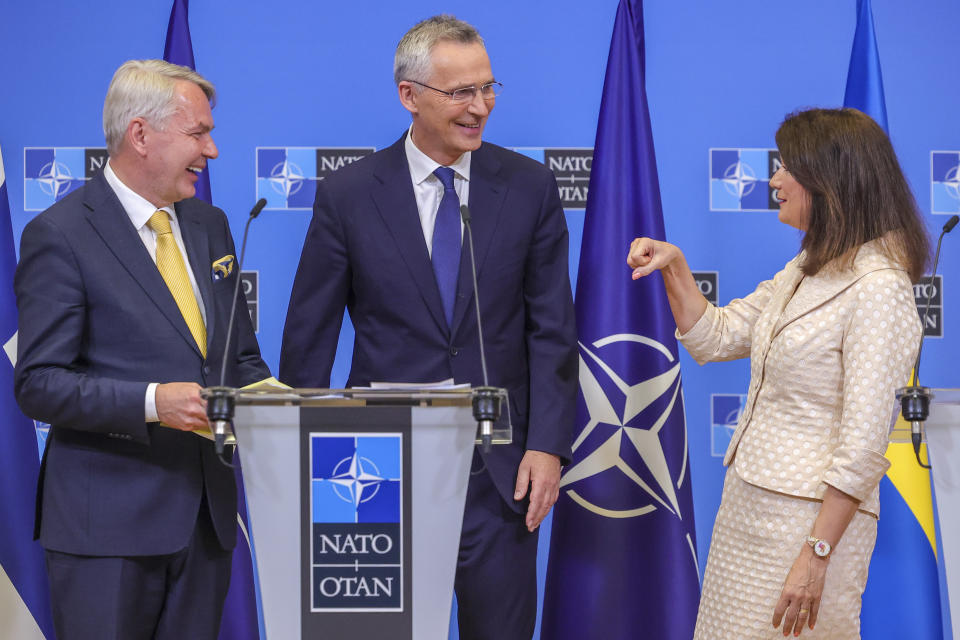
(820, 546)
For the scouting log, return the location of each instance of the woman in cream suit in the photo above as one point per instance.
(830, 338)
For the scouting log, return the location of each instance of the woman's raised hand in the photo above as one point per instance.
(647, 255)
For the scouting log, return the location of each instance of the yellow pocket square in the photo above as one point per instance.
(222, 267)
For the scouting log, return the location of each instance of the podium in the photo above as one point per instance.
(356, 499)
(943, 447)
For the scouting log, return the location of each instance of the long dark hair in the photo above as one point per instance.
(858, 192)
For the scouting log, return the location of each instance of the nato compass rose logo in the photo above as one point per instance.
(740, 179)
(54, 179)
(356, 479)
(286, 178)
(630, 468)
(952, 182)
(945, 182)
(725, 410)
(50, 173)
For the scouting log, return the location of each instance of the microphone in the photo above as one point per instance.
(914, 399)
(220, 401)
(486, 401)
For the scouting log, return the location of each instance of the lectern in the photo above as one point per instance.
(943, 447)
(356, 499)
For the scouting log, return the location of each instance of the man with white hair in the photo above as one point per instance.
(123, 292)
(387, 242)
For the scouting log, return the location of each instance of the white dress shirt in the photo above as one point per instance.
(139, 210)
(428, 189)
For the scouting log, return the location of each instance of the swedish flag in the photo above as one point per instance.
(902, 599)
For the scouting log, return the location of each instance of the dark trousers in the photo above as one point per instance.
(496, 583)
(168, 597)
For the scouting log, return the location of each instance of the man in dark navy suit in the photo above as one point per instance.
(386, 243)
(122, 320)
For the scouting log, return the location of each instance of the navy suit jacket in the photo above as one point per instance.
(97, 324)
(365, 251)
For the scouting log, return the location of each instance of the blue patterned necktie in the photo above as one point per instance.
(446, 242)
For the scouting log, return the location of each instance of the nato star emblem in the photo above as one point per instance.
(356, 479)
(644, 438)
(739, 179)
(54, 178)
(286, 178)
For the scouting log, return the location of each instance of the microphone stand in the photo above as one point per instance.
(915, 399)
(486, 401)
(221, 399)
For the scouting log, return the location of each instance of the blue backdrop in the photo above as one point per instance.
(296, 73)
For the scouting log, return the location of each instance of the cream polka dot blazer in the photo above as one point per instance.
(827, 353)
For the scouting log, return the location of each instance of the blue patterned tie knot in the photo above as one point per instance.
(446, 242)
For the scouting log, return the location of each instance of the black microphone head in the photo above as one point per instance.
(951, 223)
(465, 214)
(257, 208)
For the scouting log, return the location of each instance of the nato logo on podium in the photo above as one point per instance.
(356, 496)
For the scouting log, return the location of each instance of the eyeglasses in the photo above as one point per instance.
(488, 91)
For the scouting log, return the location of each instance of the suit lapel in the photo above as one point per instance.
(487, 192)
(815, 292)
(779, 302)
(198, 258)
(395, 201)
(112, 224)
(827, 284)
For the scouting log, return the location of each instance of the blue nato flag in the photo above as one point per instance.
(178, 49)
(623, 552)
(902, 598)
(241, 612)
(24, 593)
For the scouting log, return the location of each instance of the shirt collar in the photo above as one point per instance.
(138, 208)
(422, 166)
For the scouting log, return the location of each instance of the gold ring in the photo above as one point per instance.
(804, 610)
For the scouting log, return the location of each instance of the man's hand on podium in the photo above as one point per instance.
(540, 472)
(179, 406)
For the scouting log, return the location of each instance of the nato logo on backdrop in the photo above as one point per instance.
(709, 284)
(725, 410)
(50, 173)
(933, 323)
(356, 547)
(287, 176)
(740, 179)
(945, 182)
(570, 166)
(250, 281)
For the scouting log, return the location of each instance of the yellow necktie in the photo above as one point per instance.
(174, 272)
